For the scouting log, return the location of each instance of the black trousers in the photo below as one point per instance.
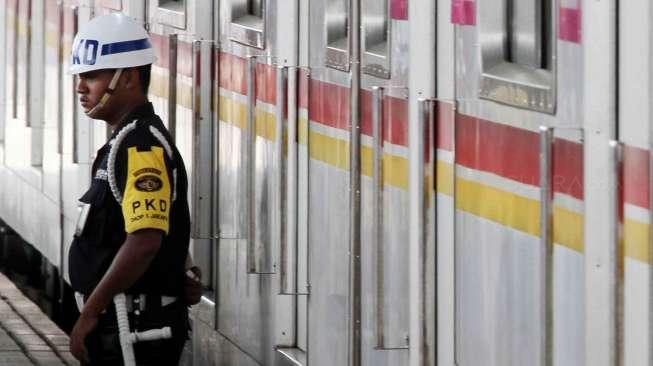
(103, 344)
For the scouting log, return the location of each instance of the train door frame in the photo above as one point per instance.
(181, 89)
(634, 86)
(423, 344)
(246, 66)
(3, 65)
(601, 227)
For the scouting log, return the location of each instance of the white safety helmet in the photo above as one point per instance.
(112, 41)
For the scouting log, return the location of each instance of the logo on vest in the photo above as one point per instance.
(148, 183)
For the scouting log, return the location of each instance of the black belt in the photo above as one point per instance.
(142, 302)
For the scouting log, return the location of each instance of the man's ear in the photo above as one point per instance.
(131, 78)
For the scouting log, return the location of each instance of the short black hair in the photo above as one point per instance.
(144, 73)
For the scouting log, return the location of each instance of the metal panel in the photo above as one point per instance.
(172, 13)
(73, 93)
(546, 241)
(384, 305)
(525, 38)
(3, 66)
(377, 209)
(248, 22)
(615, 256)
(172, 85)
(324, 200)
(650, 240)
(376, 38)
(23, 52)
(355, 268)
(337, 34)
(516, 74)
(422, 15)
(600, 122)
(258, 243)
(288, 253)
(36, 91)
(202, 140)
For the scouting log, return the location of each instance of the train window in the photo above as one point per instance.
(337, 32)
(172, 13)
(248, 22)
(518, 66)
(376, 40)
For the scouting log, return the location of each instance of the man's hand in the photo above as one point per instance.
(84, 325)
(193, 286)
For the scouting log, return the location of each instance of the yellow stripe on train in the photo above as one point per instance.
(636, 240)
(518, 212)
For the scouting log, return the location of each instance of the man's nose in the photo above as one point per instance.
(81, 86)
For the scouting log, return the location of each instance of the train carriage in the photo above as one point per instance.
(374, 182)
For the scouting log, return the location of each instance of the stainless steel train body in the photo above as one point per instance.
(374, 182)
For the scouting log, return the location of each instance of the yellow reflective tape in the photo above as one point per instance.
(568, 228)
(517, 212)
(445, 178)
(302, 131)
(499, 206)
(23, 28)
(236, 114)
(159, 82)
(330, 150)
(52, 39)
(636, 240)
(184, 92)
(266, 124)
(146, 202)
(159, 87)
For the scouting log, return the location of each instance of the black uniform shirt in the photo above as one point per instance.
(146, 173)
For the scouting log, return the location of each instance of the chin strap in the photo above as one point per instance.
(107, 94)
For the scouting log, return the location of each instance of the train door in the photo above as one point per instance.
(253, 318)
(634, 150)
(327, 138)
(519, 183)
(181, 91)
(353, 154)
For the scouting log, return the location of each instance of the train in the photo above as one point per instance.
(374, 182)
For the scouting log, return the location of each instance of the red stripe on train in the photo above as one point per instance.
(569, 28)
(513, 153)
(636, 176)
(161, 46)
(399, 9)
(52, 13)
(463, 12)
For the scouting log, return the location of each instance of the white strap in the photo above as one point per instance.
(111, 163)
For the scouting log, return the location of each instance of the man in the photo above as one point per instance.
(133, 232)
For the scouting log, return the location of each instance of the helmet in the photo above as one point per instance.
(111, 41)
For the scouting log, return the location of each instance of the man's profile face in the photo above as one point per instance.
(91, 86)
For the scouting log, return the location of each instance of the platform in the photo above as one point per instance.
(27, 335)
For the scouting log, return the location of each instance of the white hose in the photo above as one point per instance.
(123, 330)
(127, 338)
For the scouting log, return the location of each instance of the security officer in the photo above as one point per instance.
(133, 232)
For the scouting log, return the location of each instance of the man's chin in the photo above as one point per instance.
(90, 111)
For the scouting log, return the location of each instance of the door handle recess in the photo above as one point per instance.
(546, 240)
(288, 253)
(202, 136)
(255, 253)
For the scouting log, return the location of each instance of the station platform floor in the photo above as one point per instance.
(27, 335)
